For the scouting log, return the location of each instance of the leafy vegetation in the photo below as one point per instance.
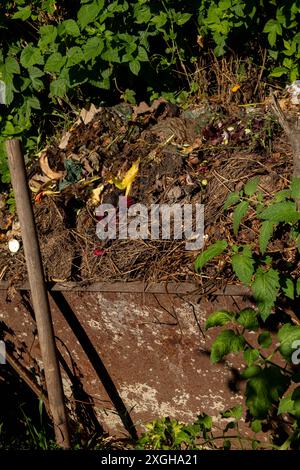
(58, 55)
(270, 360)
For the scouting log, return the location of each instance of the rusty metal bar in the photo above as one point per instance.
(135, 288)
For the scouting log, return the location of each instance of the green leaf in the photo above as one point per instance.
(251, 371)
(239, 213)
(111, 55)
(231, 199)
(48, 35)
(264, 390)
(23, 13)
(286, 405)
(278, 72)
(135, 67)
(204, 421)
(75, 56)
(265, 290)
(234, 412)
(287, 335)
(55, 63)
(282, 195)
(298, 287)
(31, 56)
(88, 13)
(219, 318)
(295, 188)
(35, 74)
(211, 252)
(143, 15)
(12, 66)
(281, 212)
(59, 87)
(142, 54)
(226, 342)
(70, 28)
(265, 339)
(93, 48)
(248, 319)
(251, 186)
(250, 355)
(265, 234)
(243, 265)
(183, 18)
(289, 288)
(256, 425)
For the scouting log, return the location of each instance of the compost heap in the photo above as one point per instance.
(153, 155)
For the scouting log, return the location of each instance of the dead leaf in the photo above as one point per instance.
(86, 116)
(53, 175)
(64, 140)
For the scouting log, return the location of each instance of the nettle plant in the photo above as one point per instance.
(269, 267)
(53, 53)
(272, 24)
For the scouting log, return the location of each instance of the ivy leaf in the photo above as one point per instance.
(251, 186)
(281, 212)
(31, 56)
(135, 67)
(243, 265)
(250, 355)
(55, 63)
(211, 252)
(248, 319)
(265, 234)
(287, 335)
(264, 339)
(231, 199)
(265, 290)
(93, 48)
(239, 213)
(88, 13)
(219, 318)
(226, 342)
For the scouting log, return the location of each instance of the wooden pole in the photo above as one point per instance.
(38, 292)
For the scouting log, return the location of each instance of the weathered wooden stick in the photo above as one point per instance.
(38, 292)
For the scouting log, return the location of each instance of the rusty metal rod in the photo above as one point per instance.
(135, 287)
(38, 292)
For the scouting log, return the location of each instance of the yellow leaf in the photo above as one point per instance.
(235, 88)
(128, 178)
(95, 198)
